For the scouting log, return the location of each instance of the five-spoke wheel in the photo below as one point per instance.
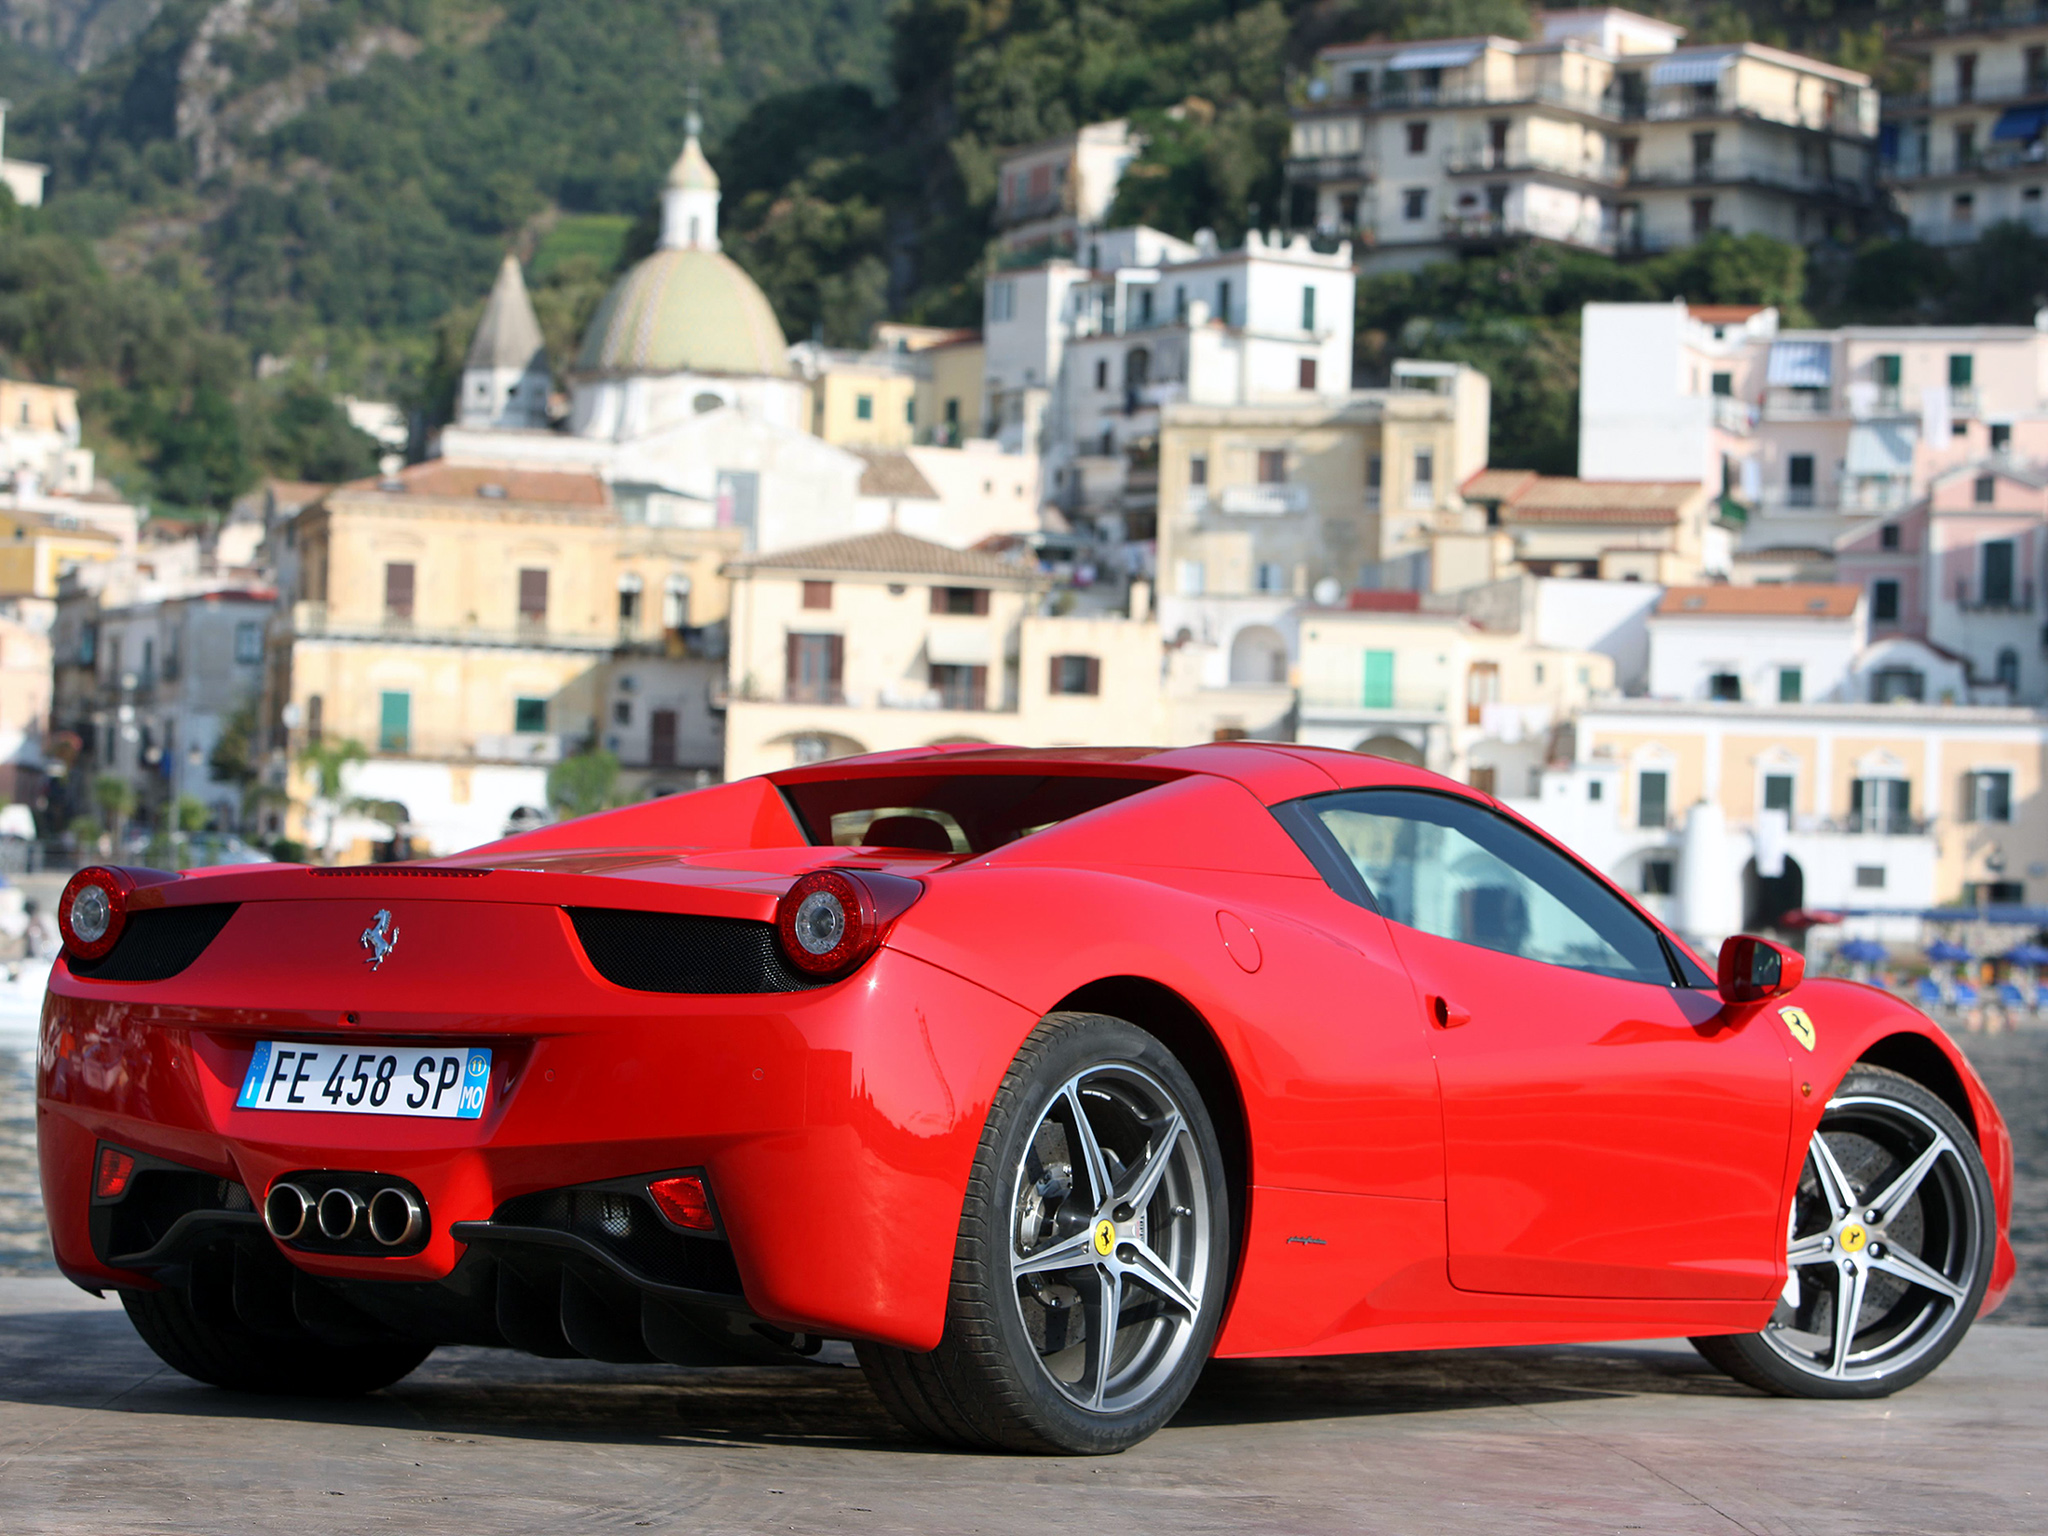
(1093, 1254)
(1888, 1250)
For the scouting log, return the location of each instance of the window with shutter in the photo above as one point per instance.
(533, 597)
(398, 586)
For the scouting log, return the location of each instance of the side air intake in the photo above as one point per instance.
(157, 943)
(684, 952)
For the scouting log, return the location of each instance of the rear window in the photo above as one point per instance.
(951, 814)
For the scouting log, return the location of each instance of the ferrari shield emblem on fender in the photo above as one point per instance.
(381, 937)
(1799, 1024)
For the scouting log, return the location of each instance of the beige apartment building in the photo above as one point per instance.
(1887, 807)
(1438, 690)
(949, 402)
(1600, 131)
(1049, 192)
(860, 399)
(887, 641)
(470, 626)
(1970, 151)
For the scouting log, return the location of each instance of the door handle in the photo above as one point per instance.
(1445, 1014)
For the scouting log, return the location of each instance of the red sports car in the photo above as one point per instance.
(1040, 1076)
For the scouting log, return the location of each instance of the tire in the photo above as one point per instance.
(1019, 1367)
(1918, 1271)
(241, 1360)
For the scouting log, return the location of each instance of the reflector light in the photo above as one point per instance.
(110, 1179)
(91, 911)
(684, 1202)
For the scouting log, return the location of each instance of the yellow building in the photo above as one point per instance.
(861, 399)
(457, 621)
(886, 641)
(950, 390)
(37, 547)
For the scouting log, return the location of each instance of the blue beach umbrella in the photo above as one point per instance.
(1865, 952)
(1942, 952)
(2028, 954)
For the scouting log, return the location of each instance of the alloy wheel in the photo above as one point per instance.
(1110, 1237)
(1885, 1240)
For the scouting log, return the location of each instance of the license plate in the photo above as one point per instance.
(436, 1083)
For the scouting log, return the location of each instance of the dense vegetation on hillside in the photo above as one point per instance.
(330, 185)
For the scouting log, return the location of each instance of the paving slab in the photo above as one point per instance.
(96, 1437)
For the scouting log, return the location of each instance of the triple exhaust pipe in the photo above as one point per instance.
(392, 1216)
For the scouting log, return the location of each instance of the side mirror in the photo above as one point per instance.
(1753, 969)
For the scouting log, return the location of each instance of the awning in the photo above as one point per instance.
(1437, 56)
(1695, 71)
(1880, 448)
(963, 645)
(2020, 124)
(1800, 365)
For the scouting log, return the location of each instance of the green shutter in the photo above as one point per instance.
(1379, 679)
(394, 722)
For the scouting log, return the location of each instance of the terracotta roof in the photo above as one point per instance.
(893, 474)
(296, 493)
(1364, 601)
(1723, 314)
(1497, 484)
(1778, 600)
(437, 477)
(890, 554)
(1559, 499)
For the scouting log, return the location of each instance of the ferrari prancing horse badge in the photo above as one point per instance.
(1800, 1025)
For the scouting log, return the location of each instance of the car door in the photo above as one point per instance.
(1609, 1129)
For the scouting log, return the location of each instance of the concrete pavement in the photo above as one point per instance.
(96, 1437)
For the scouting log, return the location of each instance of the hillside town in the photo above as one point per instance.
(1773, 658)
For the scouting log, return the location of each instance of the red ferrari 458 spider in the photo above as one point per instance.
(1040, 1076)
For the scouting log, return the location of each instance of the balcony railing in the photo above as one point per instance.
(1406, 702)
(1798, 404)
(520, 747)
(1262, 500)
(1871, 493)
(1469, 162)
(1733, 415)
(1314, 168)
(895, 696)
(2016, 599)
(312, 619)
(1880, 824)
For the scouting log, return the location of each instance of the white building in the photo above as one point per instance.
(505, 377)
(1971, 151)
(23, 178)
(1081, 359)
(1778, 644)
(1600, 131)
(1050, 194)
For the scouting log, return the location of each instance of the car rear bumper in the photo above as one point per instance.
(835, 1127)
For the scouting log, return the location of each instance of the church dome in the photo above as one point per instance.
(685, 308)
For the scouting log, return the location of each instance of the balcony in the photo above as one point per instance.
(1875, 493)
(1733, 416)
(1489, 161)
(312, 620)
(2018, 598)
(1262, 500)
(1798, 404)
(520, 747)
(1025, 209)
(1320, 168)
(1419, 703)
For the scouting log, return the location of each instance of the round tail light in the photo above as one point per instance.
(831, 920)
(91, 911)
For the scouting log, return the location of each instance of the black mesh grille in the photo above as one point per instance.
(157, 943)
(627, 1226)
(683, 952)
(158, 1197)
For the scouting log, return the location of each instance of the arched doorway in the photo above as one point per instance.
(1766, 901)
(1258, 655)
(1394, 748)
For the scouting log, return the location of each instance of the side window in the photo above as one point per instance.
(1459, 871)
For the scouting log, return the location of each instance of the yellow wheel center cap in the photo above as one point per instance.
(1105, 1236)
(1853, 1238)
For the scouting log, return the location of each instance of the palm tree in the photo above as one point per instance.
(325, 760)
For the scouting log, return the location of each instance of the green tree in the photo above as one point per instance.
(584, 782)
(327, 760)
(115, 797)
(191, 813)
